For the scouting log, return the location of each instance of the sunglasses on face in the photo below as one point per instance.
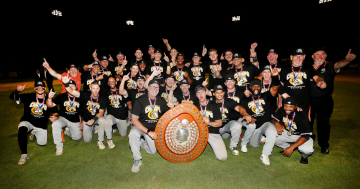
(37, 88)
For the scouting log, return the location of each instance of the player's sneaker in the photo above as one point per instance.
(304, 160)
(101, 145)
(234, 150)
(114, 130)
(67, 131)
(325, 150)
(265, 159)
(263, 139)
(23, 159)
(243, 148)
(59, 151)
(111, 144)
(136, 167)
(32, 135)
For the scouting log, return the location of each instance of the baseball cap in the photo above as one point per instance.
(140, 77)
(200, 88)
(218, 87)
(290, 101)
(180, 54)
(153, 81)
(103, 58)
(184, 81)
(319, 49)
(266, 67)
(72, 82)
(298, 51)
(39, 84)
(150, 46)
(134, 64)
(255, 82)
(72, 66)
(96, 63)
(229, 77)
(141, 62)
(157, 51)
(237, 55)
(169, 76)
(196, 54)
(120, 53)
(273, 51)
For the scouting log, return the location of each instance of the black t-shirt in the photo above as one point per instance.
(69, 109)
(245, 76)
(213, 113)
(134, 94)
(131, 83)
(300, 126)
(236, 95)
(109, 70)
(261, 113)
(179, 73)
(299, 88)
(278, 65)
(328, 72)
(266, 89)
(38, 117)
(147, 116)
(180, 97)
(87, 78)
(164, 92)
(91, 108)
(212, 69)
(117, 66)
(197, 74)
(150, 67)
(228, 111)
(115, 105)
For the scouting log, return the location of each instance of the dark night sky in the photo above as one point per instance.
(84, 27)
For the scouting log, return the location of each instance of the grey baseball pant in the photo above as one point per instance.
(234, 128)
(57, 127)
(268, 129)
(121, 124)
(250, 128)
(88, 131)
(135, 143)
(218, 146)
(305, 149)
(40, 134)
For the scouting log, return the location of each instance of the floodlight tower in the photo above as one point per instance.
(324, 1)
(235, 19)
(56, 13)
(130, 23)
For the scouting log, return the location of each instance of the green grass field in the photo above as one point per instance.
(84, 165)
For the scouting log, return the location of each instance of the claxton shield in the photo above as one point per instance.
(182, 134)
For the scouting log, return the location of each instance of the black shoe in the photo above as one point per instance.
(325, 150)
(304, 160)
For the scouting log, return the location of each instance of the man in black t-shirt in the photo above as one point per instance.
(157, 65)
(322, 103)
(180, 71)
(215, 69)
(146, 112)
(197, 71)
(258, 106)
(93, 75)
(293, 126)
(69, 116)
(116, 111)
(212, 118)
(93, 108)
(296, 80)
(185, 95)
(35, 117)
(230, 124)
(121, 63)
(267, 84)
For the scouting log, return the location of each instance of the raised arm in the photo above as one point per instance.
(342, 63)
(51, 71)
(15, 95)
(122, 90)
(275, 82)
(122, 67)
(71, 91)
(49, 102)
(166, 42)
(151, 77)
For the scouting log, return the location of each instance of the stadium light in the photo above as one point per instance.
(56, 13)
(235, 18)
(324, 1)
(130, 23)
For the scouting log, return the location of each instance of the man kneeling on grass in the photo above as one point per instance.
(295, 128)
(146, 112)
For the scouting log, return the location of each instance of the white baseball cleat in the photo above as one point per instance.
(67, 131)
(101, 145)
(32, 135)
(111, 144)
(234, 150)
(23, 159)
(136, 167)
(265, 159)
(114, 130)
(59, 151)
(263, 139)
(243, 148)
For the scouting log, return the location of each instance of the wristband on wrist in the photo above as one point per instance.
(255, 59)
(168, 64)
(148, 131)
(57, 115)
(347, 61)
(66, 85)
(95, 118)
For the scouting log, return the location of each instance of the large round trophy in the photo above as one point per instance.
(182, 134)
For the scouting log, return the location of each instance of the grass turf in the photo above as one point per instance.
(84, 165)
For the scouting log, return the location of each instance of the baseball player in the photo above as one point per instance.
(293, 126)
(69, 116)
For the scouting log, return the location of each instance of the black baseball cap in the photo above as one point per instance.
(319, 49)
(120, 53)
(237, 55)
(218, 87)
(72, 66)
(200, 88)
(157, 51)
(140, 77)
(184, 81)
(39, 84)
(273, 51)
(266, 67)
(96, 63)
(103, 58)
(298, 51)
(141, 62)
(153, 81)
(72, 82)
(290, 101)
(180, 54)
(169, 76)
(229, 77)
(255, 82)
(196, 54)
(134, 64)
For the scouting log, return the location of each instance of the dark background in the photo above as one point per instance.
(85, 27)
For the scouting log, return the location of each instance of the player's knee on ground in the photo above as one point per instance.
(221, 157)
(76, 137)
(41, 141)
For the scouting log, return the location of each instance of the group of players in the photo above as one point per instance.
(269, 99)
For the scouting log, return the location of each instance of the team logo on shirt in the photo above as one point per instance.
(153, 68)
(298, 80)
(171, 65)
(257, 110)
(293, 126)
(92, 109)
(208, 114)
(179, 75)
(197, 72)
(115, 102)
(152, 114)
(323, 70)
(213, 69)
(165, 96)
(224, 112)
(279, 70)
(35, 108)
(131, 84)
(242, 79)
(235, 98)
(108, 73)
(71, 108)
(138, 95)
(117, 68)
(263, 90)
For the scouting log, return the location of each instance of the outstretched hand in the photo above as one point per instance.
(204, 50)
(46, 64)
(51, 94)
(350, 57)
(65, 79)
(111, 59)
(126, 77)
(20, 88)
(94, 53)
